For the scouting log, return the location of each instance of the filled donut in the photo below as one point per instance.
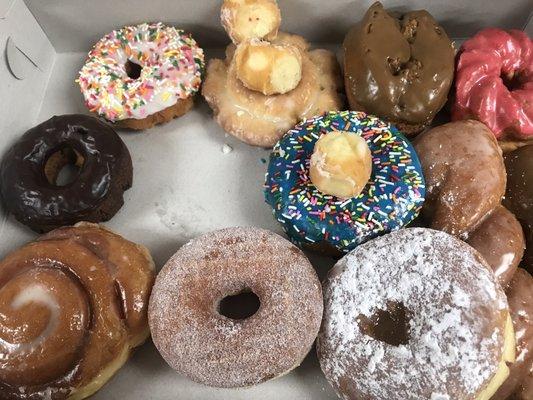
(29, 171)
(377, 200)
(399, 68)
(143, 75)
(73, 305)
(416, 314)
(203, 339)
(494, 84)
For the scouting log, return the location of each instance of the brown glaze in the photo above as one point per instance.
(465, 175)
(27, 180)
(68, 311)
(520, 297)
(399, 68)
(501, 242)
(519, 194)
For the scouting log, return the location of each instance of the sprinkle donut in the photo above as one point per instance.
(416, 314)
(391, 199)
(139, 76)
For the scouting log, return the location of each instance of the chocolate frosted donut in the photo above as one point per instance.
(29, 172)
(399, 68)
(188, 300)
(415, 314)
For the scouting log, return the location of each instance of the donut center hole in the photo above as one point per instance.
(390, 326)
(514, 81)
(63, 166)
(133, 70)
(239, 306)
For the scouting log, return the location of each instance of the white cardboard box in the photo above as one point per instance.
(184, 185)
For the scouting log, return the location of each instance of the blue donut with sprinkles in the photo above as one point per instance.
(392, 197)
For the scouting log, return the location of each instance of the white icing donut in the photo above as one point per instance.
(171, 66)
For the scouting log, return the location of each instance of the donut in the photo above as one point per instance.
(399, 68)
(391, 199)
(415, 314)
(519, 195)
(465, 175)
(29, 171)
(520, 297)
(73, 305)
(259, 119)
(494, 84)
(212, 346)
(500, 240)
(143, 75)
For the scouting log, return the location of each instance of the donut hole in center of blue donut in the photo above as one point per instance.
(390, 326)
(63, 166)
(133, 70)
(239, 306)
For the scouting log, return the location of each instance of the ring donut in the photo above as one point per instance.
(199, 341)
(30, 168)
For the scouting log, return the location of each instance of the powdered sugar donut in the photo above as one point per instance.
(142, 75)
(416, 314)
(201, 339)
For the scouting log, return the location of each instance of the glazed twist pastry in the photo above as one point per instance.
(72, 305)
(261, 120)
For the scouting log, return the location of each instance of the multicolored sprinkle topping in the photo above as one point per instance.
(171, 67)
(391, 199)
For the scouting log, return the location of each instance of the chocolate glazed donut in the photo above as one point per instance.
(29, 172)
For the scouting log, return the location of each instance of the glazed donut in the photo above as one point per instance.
(143, 75)
(262, 120)
(29, 171)
(197, 340)
(500, 240)
(398, 68)
(465, 175)
(520, 298)
(250, 19)
(494, 84)
(73, 305)
(416, 314)
(519, 195)
(391, 199)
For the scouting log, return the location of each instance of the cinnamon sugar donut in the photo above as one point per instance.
(199, 342)
(415, 314)
(73, 305)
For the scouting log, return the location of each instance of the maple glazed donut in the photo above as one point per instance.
(74, 305)
(143, 75)
(415, 314)
(202, 341)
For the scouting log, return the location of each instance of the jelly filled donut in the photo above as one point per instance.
(390, 198)
(201, 338)
(73, 306)
(30, 168)
(143, 75)
(494, 84)
(416, 314)
(399, 68)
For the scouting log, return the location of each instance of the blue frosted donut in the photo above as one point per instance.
(391, 199)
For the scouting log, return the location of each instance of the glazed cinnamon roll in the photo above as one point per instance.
(72, 306)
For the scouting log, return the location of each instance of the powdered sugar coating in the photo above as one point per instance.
(214, 350)
(456, 318)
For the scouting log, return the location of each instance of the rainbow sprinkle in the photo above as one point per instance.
(172, 67)
(392, 198)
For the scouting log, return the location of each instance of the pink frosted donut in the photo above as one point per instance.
(494, 82)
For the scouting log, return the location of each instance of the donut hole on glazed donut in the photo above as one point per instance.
(513, 81)
(63, 166)
(133, 70)
(239, 306)
(390, 326)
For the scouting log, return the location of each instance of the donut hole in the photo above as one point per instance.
(133, 70)
(239, 306)
(63, 166)
(390, 326)
(513, 81)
